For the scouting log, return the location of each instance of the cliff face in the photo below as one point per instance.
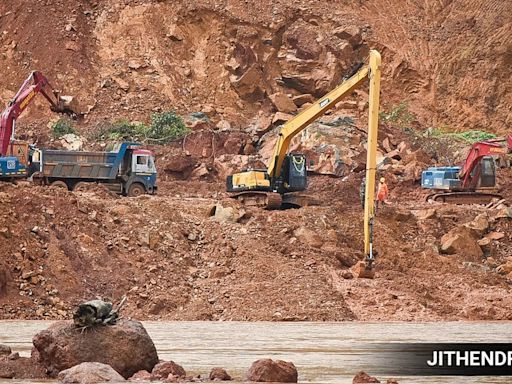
(449, 60)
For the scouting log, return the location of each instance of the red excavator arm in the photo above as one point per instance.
(34, 84)
(476, 153)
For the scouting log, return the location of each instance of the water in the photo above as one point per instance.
(324, 353)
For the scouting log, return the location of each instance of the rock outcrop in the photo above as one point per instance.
(23, 368)
(89, 373)
(126, 347)
(364, 378)
(219, 374)
(270, 371)
(162, 370)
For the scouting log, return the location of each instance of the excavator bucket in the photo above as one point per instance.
(364, 270)
(66, 104)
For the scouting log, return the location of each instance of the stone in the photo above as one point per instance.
(364, 378)
(425, 214)
(309, 237)
(248, 85)
(72, 142)
(480, 224)
(223, 125)
(121, 83)
(505, 269)
(281, 118)
(164, 369)
(126, 347)
(495, 235)
(226, 214)
(219, 374)
(461, 240)
(141, 376)
(386, 145)
(503, 213)
(89, 373)
(5, 350)
(270, 371)
(361, 271)
(300, 100)
(22, 368)
(283, 103)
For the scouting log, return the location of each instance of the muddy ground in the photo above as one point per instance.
(448, 64)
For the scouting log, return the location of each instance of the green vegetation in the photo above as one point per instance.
(467, 137)
(164, 127)
(399, 115)
(62, 127)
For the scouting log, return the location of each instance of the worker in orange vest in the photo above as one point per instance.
(382, 192)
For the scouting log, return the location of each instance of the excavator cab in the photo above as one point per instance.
(487, 169)
(294, 173)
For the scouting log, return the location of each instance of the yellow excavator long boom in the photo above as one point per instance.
(294, 126)
(371, 154)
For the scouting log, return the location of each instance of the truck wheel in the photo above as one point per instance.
(59, 184)
(81, 186)
(136, 189)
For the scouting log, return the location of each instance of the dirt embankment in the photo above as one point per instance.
(246, 65)
(125, 59)
(175, 261)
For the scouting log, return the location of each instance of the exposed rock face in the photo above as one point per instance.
(21, 368)
(126, 347)
(270, 371)
(364, 378)
(283, 103)
(461, 240)
(163, 370)
(89, 373)
(219, 374)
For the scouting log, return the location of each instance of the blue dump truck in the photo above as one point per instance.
(129, 171)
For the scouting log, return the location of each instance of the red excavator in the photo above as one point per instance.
(14, 155)
(475, 181)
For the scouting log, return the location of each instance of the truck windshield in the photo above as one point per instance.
(152, 167)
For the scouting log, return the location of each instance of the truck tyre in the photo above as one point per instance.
(59, 184)
(81, 186)
(136, 189)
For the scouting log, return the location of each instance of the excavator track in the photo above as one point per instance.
(464, 197)
(266, 200)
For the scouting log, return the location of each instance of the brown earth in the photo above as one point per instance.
(125, 59)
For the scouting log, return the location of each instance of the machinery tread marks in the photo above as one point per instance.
(464, 197)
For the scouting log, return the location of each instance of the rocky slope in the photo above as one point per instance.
(249, 66)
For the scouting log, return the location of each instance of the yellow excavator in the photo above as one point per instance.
(286, 174)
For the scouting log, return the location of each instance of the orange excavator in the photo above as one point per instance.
(13, 154)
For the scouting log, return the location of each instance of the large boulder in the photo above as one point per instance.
(461, 240)
(270, 371)
(90, 373)
(126, 347)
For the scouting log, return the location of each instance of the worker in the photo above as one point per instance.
(382, 192)
(362, 191)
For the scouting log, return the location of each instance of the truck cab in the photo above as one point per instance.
(141, 172)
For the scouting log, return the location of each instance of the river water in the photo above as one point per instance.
(324, 353)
